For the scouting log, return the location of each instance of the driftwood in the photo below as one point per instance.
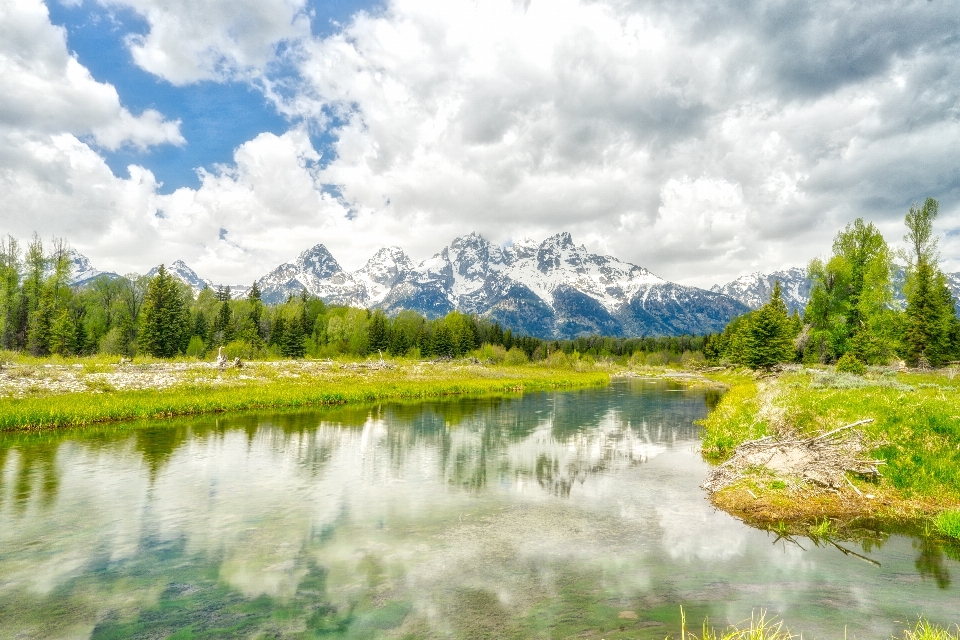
(823, 460)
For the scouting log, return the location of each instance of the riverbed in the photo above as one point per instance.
(547, 515)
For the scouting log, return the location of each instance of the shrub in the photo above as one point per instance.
(196, 348)
(693, 360)
(515, 357)
(848, 363)
(558, 360)
(492, 353)
(240, 349)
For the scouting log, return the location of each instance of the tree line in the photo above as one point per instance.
(42, 314)
(851, 318)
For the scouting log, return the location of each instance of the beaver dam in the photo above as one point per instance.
(809, 465)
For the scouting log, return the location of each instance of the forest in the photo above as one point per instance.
(41, 314)
(851, 318)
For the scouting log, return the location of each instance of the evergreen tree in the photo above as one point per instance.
(293, 338)
(378, 336)
(769, 338)
(223, 325)
(9, 291)
(442, 343)
(931, 315)
(254, 294)
(165, 318)
(201, 328)
(38, 334)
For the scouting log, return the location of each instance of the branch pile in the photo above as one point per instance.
(822, 460)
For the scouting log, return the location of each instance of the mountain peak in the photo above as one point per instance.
(318, 261)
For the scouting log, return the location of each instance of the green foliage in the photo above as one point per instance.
(948, 523)
(851, 297)
(848, 363)
(769, 335)
(166, 320)
(515, 356)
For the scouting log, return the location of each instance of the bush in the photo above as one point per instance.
(492, 353)
(848, 363)
(558, 360)
(240, 349)
(515, 357)
(196, 348)
(693, 360)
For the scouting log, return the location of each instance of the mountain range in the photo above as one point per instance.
(551, 289)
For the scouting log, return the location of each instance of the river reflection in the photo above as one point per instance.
(547, 515)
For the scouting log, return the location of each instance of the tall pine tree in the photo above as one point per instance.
(166, 322)
(769, 336)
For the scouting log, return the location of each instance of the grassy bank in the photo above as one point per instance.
(915, 430)
(160, 390)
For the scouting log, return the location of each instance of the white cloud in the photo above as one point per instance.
(701, 142)
(46, 91)
(192, 40)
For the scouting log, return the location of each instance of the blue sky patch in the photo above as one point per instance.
(215, 117)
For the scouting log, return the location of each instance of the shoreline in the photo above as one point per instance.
(167, 390)
(915, 432)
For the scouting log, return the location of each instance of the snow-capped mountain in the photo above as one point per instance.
(550, 289)
(81, 270)
(754, 290)
(317, 272)
(185, 274)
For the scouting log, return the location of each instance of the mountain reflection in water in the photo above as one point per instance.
(545, 515)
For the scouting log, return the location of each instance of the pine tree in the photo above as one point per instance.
(293, 339)
(254, 293)
(379, 339)
(769, 337)
(38, 335)
(931, 314)
(223, 325)
(165, 319)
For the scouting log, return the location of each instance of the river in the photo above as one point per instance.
(547, 515)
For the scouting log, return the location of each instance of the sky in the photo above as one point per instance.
(698, 139)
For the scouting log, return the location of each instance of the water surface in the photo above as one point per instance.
(572, 514)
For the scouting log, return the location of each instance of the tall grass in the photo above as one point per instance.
(760, 627)
(77, 409)
(948, 523)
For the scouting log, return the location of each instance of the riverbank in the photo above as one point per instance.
(914, 432)
(38, 394)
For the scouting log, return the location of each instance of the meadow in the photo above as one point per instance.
(50, 393)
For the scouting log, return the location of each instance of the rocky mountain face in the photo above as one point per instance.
(754, 290)
(553, 289)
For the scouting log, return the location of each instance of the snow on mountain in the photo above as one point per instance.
(185, 274)
(550, 289)
(754, 290)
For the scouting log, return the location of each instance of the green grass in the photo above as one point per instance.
(231, 392)
(948, 523)
(915, 428)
